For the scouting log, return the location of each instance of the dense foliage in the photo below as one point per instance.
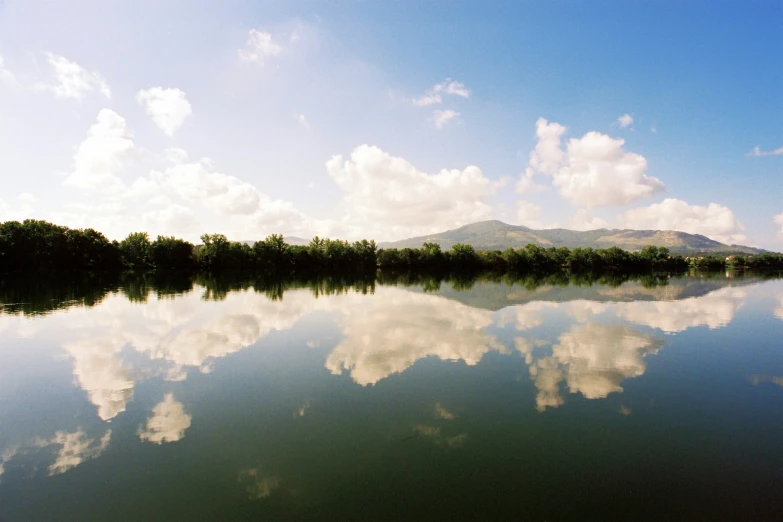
(38, 246)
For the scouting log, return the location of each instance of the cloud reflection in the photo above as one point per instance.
(714, 310)
(168, 422)
(396, 328)
(182, 333)
(593, 359)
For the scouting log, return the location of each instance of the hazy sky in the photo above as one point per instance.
(389, 119)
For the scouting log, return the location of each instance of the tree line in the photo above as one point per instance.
(39, 246)
(35, 294)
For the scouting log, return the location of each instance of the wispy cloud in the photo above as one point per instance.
(435, 94)
(443, 117)
(757, 152)
(626, 120)
(259, 46)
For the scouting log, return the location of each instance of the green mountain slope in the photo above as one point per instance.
(496, 235)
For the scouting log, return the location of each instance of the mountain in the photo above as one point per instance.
(496, 235)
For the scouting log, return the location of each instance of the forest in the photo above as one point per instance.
(35, 246)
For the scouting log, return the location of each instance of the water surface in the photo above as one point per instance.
(656, 400)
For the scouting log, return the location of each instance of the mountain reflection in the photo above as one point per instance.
(116, 338)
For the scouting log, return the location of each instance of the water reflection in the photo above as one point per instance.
(72, 449)
(588, 340)
(168, 422)
(389, 333)
(714, 310)
(593, 359)
(181, 334)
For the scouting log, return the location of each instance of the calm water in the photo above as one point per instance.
(496, 402)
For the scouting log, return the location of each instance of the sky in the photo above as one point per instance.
(386, 120)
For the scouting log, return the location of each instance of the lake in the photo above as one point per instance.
(393, 399)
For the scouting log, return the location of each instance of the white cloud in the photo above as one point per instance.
(526, 183)
(548, 154)
(598, 172)
(757, 152)
(99, 157)
(73, 81)
(435, 94)
(528, 214)
(27, 198)
(168, 108)
(779, 310)
(391, 195)
(168, 422)
(527, 211)
(259, 47)
(221, 192)
(302, 120)
(176, 155)
(778, 220)
(714, 221)
(173, 219)
(6, 75)
(625, 120)
(428, 99)
(441, 118)
(582, 220)
(594, 171)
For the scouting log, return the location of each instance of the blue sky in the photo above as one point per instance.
(389, 119)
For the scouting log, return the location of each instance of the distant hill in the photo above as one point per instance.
(496, 235)
(291, 240)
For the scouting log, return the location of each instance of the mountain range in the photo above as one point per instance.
(496, 235)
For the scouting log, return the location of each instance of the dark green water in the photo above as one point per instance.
(630, 402)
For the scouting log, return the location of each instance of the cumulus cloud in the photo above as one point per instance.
(168, 108)
(548, 154)
(168, 422)
(715, 221)
(390, 194)
(74, 81)
(194, 182)
(582, 220)
(626, 120)
(174, 218)
(396, 328)
(434, 95)
(778, 220)
(99, 157)
(757, 152)
(258, 47)
(594, 170)
(528, 212)
(441, 118)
